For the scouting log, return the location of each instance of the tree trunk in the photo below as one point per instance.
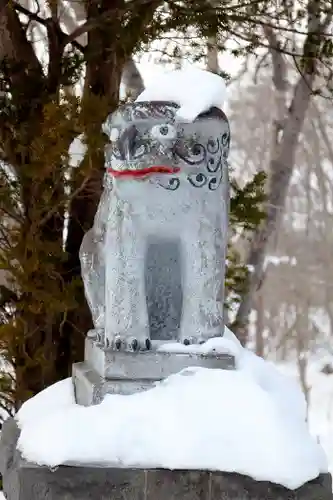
(260, 324)
(281, 169)
(39, 250)
(288, 125)
(132, 79)
(105, 62)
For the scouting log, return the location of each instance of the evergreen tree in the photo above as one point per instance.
(43, 311)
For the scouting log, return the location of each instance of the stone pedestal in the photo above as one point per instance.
(26, 481)
(111, 372)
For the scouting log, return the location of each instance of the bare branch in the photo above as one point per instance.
(46, 23)
(259, 65)
(112, 15)
(31, 15)
(279, 64)
(13, 41)
(283, 155)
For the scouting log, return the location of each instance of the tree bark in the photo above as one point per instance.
(260, 325)
(132, 79)
(288, 126)
(105, 61)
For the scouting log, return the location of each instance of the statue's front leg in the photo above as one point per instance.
(93, 265)
(203, 283)
(93, 275)
(126, 317)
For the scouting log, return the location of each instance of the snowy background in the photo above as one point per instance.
(320, 405)
(320, 385)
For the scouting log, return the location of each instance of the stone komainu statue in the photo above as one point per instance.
(166, 181)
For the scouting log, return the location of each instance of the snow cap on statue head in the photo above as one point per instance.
(196, 91)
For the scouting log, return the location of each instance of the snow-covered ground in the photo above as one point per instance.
(320, 415)
(321, 412)
(320, 409)
(250, 420)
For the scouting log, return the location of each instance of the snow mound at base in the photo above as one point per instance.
(250, 420)
(193, 89)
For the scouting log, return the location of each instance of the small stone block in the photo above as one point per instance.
(88, 385)
(90, 388)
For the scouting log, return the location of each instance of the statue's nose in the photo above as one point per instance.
(127, 142)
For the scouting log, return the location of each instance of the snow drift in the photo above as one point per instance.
(250, 420)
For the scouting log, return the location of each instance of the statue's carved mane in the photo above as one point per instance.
(213, 112)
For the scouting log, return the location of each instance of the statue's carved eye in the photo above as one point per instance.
(197, 180)
(165, 131)
(140, 151)
(114, 135)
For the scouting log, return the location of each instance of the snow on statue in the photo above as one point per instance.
(166, 176)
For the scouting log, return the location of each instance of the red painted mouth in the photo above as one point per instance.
(143, 172)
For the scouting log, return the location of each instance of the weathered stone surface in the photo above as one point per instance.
(148, 365)
(8, 456)
(236, 487)
(25, 481)
(164, 289)
(88, 385)
(185, 485)
(69, 483)
(90, 388)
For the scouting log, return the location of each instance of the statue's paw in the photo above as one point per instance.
(191, 340)
(194, 340)
(198, 340)
(96, 334)
(131, 344)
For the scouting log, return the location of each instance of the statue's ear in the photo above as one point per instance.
(214, 113)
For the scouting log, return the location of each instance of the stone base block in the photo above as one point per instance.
(26, 481)
(109, 372)
(90, 388)
(148, 365)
